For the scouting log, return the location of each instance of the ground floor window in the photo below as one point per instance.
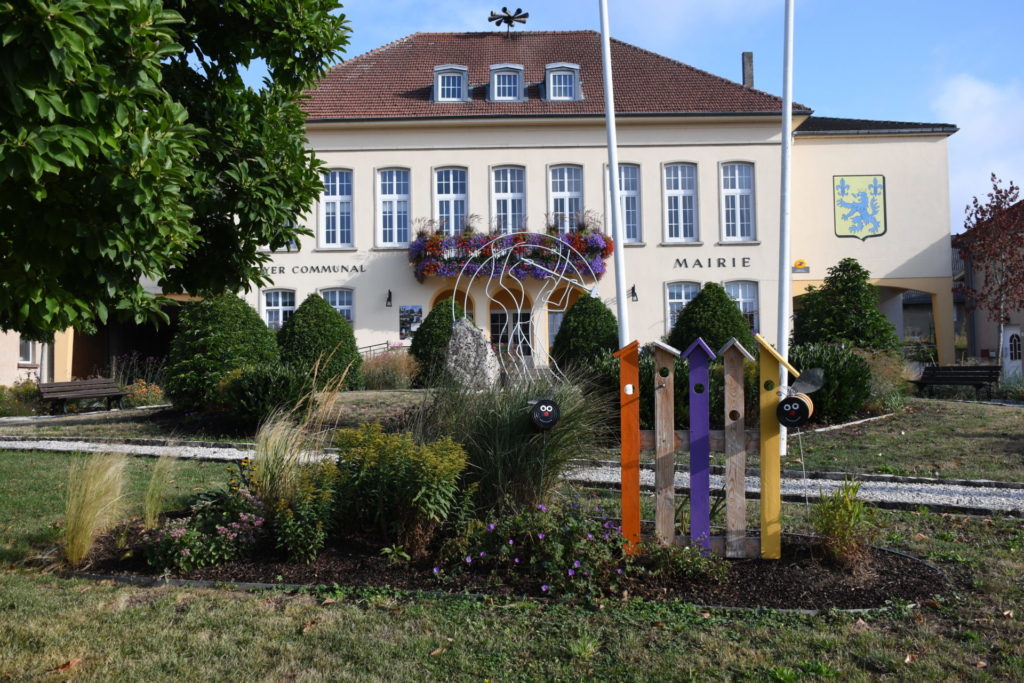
(510, 332)
(26, 351)
(278, 306)
(555, 319)
(340, 300)
(679, 294)
(744, 293)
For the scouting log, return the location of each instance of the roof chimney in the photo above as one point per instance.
(748, 69)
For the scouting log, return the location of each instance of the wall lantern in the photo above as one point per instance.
(387, 302)
(632, 294)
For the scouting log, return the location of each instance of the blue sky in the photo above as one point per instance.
(904, 60)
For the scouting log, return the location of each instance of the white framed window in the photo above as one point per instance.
(450, 200)
(562, 81)
(511, 332)
(393, 207)
(508, 199)
(26, 351)
(340, 300)
(629, 197)
(336, 210)
(744, 293)
(506, 82)
(678, 294)
(738, 202)
(278, 306)
(566, 195)
(681, 203)
(451, 83)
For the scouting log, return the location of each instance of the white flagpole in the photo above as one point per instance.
(613, 179)
(785, 278)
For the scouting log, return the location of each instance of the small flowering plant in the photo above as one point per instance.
(440, 255)
(553, 550)
(223, 526)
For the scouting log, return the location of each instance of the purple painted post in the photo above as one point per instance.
(700, 444)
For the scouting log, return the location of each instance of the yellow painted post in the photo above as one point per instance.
(771, 467)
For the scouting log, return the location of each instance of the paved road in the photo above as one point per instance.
(978, 497)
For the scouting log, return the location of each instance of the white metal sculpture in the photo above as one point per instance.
(508, 263)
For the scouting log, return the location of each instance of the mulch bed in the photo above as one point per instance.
(802, 579)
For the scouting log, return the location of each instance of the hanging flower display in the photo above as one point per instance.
(522, 255)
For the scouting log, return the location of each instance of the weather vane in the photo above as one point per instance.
(508, 18)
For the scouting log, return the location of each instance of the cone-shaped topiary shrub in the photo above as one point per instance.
(215, 336)
(845, 308)
(430, 343)
(589, 333)
(318, 336)
(712, 316)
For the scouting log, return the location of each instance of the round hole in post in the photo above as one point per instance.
(663, 372)
(769, 385)
(698, 388)
(734, 415)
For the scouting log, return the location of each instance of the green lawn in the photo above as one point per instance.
(116, 632)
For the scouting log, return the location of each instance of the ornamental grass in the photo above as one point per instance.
(93, 504)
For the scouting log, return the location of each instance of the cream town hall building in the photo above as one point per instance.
(505, 134)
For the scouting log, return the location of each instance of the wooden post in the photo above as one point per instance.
(735, 449)
(771, 467)
(629, 425)
(700, 444)
(664, 443)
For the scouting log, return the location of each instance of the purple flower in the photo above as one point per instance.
(483, 554)
(619, 570)
(437, 570)
(490, 527)
(542, 507)
(469, 560)
(516, 560)
(571, 572)
(540, 536)
(576, 563)
(590, 537)
(511, 542)
(545, 588)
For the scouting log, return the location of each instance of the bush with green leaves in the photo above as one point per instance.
(214, 337)
(301, 526)
(841, 521)
(399, 488)
(847, 381)
(589, 334)
(430, 343)
(223, 526)
(251, 394)
(713, 316)
(318, 338)
(561, 550)
(22, 398)
(513, 464)
(843, 309)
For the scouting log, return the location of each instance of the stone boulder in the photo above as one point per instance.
(471, 361)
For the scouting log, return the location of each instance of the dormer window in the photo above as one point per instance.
(506, 83)
(562, 81)
(451, 83)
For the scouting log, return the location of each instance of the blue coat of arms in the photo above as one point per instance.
(859, 205)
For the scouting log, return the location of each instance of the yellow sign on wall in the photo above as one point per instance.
(859, 205)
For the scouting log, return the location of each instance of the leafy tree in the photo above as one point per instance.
(130, 148)
(215, 337)
(589, 333)
(317, 336)
(430, 343)
(713, 316)
(844, 308)
(993, 248)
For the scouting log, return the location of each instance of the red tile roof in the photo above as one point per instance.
(394, 81)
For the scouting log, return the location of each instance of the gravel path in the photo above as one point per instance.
(978, 497)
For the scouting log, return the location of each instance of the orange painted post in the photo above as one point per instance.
(629, 426)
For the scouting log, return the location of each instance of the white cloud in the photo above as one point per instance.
(991, 138)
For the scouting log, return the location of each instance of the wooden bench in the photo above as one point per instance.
(59, 393)
(976, 376)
